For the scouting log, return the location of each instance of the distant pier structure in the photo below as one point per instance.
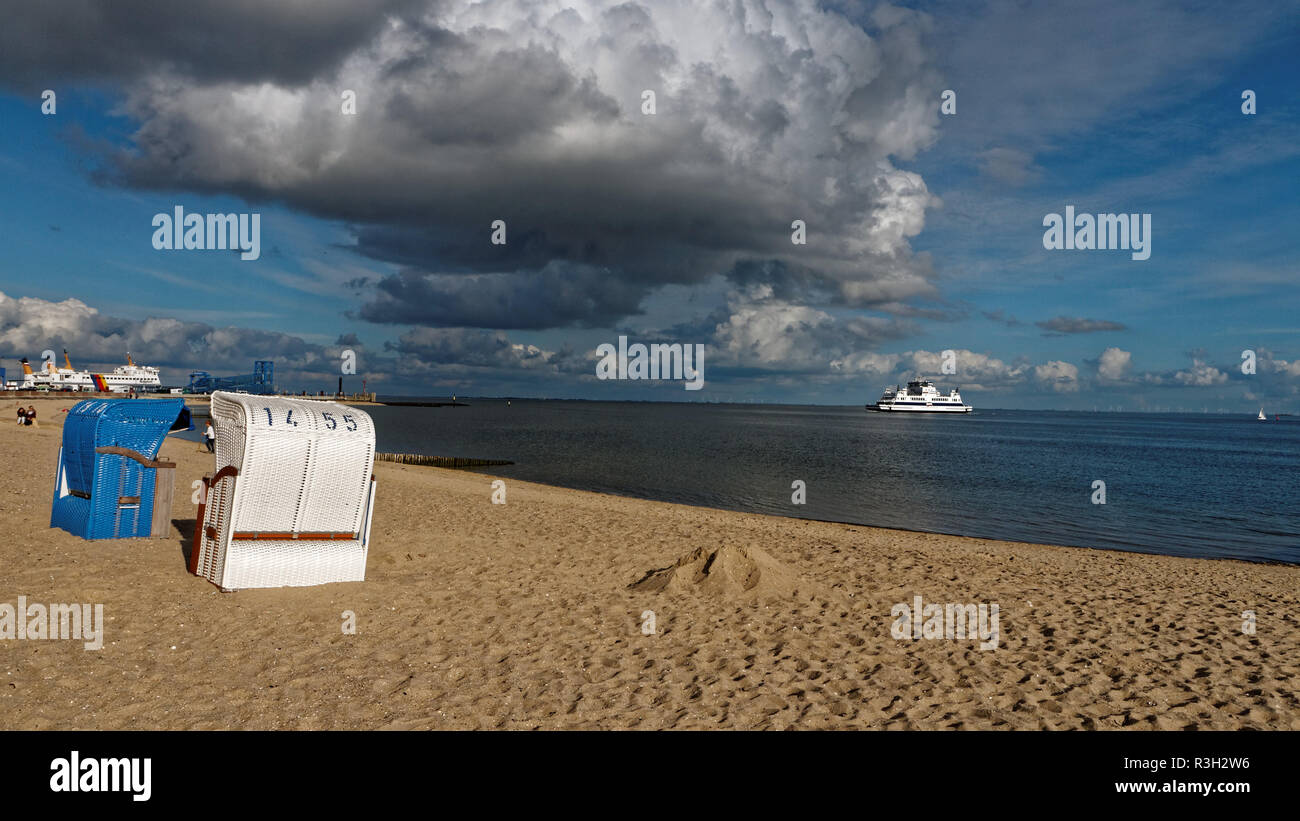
(261, 381)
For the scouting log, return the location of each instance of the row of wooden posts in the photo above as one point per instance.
(439, 461)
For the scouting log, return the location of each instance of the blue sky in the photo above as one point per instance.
(925, 230)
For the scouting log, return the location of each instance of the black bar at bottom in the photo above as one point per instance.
(926, 771)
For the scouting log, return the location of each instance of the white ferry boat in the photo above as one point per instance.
(122, 379)
(920, 397)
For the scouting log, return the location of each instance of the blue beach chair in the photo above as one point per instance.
(109, 483)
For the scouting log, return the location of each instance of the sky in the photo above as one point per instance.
(923, 223)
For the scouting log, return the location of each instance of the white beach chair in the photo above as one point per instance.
(291, 499)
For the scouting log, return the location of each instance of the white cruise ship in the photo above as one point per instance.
(122, 379)
(920, 397)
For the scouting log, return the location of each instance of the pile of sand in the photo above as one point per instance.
(726, 572)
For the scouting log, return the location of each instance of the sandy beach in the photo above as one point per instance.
(530, 614)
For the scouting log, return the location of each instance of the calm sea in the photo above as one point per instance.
(1180, 484)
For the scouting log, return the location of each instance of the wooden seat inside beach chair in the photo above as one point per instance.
(290, 502)
(109, 483)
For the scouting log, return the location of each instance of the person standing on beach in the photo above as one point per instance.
(210, 437)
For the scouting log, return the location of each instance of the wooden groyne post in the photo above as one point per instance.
(439, 461)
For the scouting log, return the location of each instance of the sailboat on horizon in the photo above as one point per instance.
(1262, 417)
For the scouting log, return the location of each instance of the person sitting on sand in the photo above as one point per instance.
(22, 415)
(31, 416)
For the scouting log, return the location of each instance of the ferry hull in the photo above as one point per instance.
(926, 409)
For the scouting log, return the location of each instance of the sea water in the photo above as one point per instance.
(1222, 486)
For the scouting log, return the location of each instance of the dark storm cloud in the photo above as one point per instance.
(434, 349)
(459, 93)
(787, 282)
(557, 295)
(695, 329)
(288, 41)
(531, 113)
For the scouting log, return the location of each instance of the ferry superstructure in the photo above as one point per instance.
(122, 379)
(920, 397)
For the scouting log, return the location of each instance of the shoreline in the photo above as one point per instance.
(530, 614)
(483, 470)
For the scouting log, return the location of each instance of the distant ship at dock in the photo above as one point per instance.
(122, 379)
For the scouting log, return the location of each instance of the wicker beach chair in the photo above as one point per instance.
(290, 502)
(109, 483)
